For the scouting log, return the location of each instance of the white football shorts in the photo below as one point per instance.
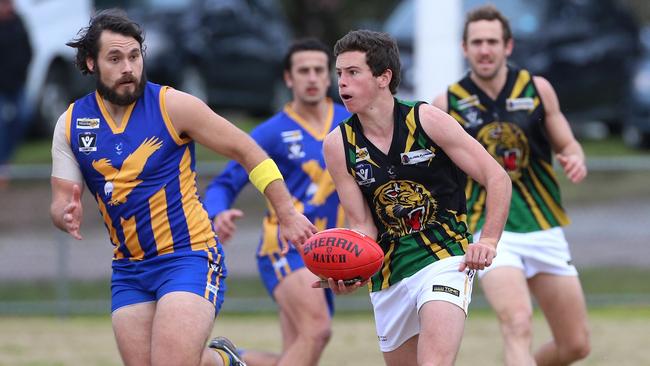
(396, 308)
(545, 251)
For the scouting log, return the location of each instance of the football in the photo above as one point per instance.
(342, 254)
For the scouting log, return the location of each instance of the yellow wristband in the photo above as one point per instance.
(263, 174)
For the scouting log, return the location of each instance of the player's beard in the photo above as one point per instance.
(112, 96)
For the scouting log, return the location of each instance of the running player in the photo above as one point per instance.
(399, 169)
(132, 143)
(293, 138)
(517, 117)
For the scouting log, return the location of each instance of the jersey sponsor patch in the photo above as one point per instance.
(364, 174)
(362, 154)
(417, 156)
(212, 288)
(519, 104)
(87, 123)
(87, 142)
(471, 101)
(447, 289)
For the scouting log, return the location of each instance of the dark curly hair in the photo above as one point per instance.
(487, 12)
(87, 41)
(306, 44)
(380, 49)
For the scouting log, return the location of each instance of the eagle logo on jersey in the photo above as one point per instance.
(322, 184)
(507, 143)
(119, 183)
(404, 207)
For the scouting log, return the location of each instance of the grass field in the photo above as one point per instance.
(619, 337)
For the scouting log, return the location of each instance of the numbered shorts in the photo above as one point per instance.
(199, 272)
(545, 251)
(396, 308)
(276, 266)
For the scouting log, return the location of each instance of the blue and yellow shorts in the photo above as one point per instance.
(199, 272)
(274, 267)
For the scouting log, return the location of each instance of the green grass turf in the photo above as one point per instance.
(595, 282)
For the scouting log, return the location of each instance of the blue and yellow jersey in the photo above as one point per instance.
(297, 150)
(512, 130)
(141, 173)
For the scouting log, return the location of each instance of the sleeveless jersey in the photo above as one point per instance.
(142, 176)
(296, 148)
(415, 194)
(511, 128)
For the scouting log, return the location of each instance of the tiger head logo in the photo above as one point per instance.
(404, 207)
(507, 143)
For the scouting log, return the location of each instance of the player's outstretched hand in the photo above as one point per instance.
(340, 287)
(224, 224)
(72, 213)
(295, 229)
(574, 167)
(478, 256)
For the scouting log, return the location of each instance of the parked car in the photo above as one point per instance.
(229, 53)
(585, 48)
(52, 81)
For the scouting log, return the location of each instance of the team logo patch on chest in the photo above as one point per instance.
(293, 140)
(417, 156)
(364, 174)
(87, 142)
(473, 117)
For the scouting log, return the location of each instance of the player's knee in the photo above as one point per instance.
(517, 324)
(321, 332)
(575, 350)
(317, 330)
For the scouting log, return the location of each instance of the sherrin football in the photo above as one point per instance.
(342, 254)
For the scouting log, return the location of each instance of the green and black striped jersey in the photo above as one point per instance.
(512, 129)
(415, 194)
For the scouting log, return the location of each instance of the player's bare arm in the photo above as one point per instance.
(475, 161)
(193, 118)
(66, 210)
(66, 182)
(356, 210)
(568, 150)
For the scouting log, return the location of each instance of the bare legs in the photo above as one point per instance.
(172, 331)
(560, 299)
(305, 321)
